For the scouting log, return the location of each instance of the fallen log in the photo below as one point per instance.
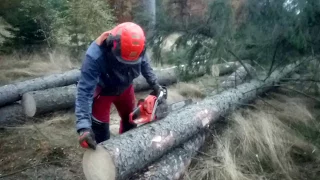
(134, 150)
(12, 115)
(225, 68)
(165, 77)
(54, 99)
(174, 164)
(13, 92)
(39, 102)
(166, 167)
(237, 77)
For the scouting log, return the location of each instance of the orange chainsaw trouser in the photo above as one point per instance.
(124, 103)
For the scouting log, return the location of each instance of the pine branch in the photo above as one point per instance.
(273, 60)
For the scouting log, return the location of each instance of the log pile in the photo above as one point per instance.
(34, 97)
(158, 143)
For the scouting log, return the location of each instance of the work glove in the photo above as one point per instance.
(157, 89)
(87, 139)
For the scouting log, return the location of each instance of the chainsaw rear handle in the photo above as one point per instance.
(134, 114)
(142, 113)
(163, 93)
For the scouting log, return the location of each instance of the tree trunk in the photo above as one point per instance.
(54, 99)
(237, 77)
(174, 164)
(13, 92)
(132, 151)
(224, 68)
(38, 102)
(165, 77)
(12, 115)
(150, 9)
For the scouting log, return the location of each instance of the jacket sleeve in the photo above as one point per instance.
(147, 71)
(85, 89)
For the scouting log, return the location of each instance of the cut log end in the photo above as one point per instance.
(29, 105)
(98, 165)
(215, 71)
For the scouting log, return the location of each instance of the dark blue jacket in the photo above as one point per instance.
(100, 67)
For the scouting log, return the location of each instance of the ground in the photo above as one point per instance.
(275, 137)
(48, 148)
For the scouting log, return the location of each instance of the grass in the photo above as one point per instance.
(278, 139)
(20, 66)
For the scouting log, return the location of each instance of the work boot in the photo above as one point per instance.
(100, 130)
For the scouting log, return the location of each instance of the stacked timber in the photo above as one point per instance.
(13, 92)
(21, 100)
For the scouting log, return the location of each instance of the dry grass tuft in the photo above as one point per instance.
(174, 96)
(19, 66)
(270, 142)
(189, 90)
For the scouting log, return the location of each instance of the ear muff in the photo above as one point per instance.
(144, 49)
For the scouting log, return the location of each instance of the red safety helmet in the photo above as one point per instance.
(128, 42)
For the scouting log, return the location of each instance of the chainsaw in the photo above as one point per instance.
(154, 108)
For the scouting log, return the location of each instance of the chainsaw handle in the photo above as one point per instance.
(134, 114)
(163, 93)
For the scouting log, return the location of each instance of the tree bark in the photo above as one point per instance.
(224, 68)
(13, 92)
(54, 99)
(165, 77)
(237, 77)
(12, 115)
(150, 10)
(174, 164)
(136, 149)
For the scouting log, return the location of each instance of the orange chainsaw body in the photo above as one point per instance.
(154, 108)
(145, 111)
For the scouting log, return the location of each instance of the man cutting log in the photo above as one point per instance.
(111, 63)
